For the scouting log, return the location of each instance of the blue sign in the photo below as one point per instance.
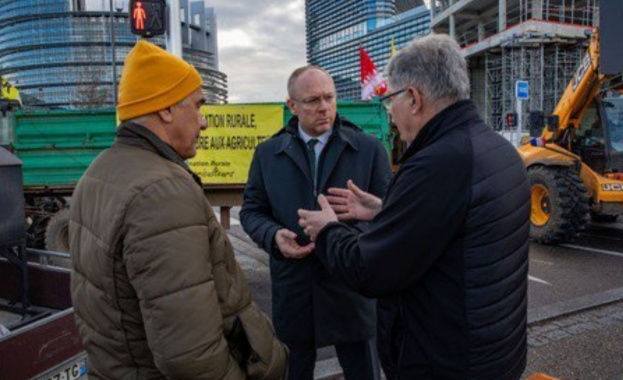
(521, 89)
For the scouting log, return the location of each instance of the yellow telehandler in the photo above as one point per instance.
(575, 158)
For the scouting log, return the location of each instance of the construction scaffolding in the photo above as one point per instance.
(538, 41)
(548, 69)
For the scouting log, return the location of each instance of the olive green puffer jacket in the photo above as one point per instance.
(156, 289)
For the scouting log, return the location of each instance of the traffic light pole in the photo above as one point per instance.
(512, 121)
(113, 54)
(174, 30)
(518, 109)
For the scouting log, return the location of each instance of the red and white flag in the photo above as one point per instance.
(372, 82)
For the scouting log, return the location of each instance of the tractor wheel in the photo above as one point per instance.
(603, 218)
(580, 212)
(559, 205)
(57, 236)
(39, 210)
(35, 233)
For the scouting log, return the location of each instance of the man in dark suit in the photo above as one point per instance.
(316, 150)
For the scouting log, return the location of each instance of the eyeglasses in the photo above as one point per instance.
(386, 100)
(316, 100)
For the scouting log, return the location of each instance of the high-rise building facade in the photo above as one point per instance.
(336, 29)
(504, 41)
(59, 53)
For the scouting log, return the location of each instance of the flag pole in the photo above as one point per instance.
(393, 48)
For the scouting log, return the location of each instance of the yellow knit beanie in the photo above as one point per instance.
(152, 80)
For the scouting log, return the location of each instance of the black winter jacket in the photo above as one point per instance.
(447, 255)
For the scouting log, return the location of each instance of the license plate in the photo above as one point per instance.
(71, 371)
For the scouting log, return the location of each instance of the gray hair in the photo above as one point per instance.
(434, 65)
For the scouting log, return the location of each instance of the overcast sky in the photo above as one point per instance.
(260, 43)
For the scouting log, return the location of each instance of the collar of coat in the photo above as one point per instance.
(133, 134)
(456, 114)
(340, 129)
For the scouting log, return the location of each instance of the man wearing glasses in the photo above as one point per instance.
(446, 252)
(317, 149)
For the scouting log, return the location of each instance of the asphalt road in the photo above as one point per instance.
(589, 266)
(575, 302)
(575, 306)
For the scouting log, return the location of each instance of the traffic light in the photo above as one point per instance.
(147, 17)
(511, 119)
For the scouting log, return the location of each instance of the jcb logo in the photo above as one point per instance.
(581, 71)
(612, 187)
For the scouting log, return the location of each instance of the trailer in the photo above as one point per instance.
(38, 336)
(57, 146)
(39, 339)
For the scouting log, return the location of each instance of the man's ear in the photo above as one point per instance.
(290, 105)
(416, 100)
(166, 115)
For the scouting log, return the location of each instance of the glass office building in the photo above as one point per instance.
(336, 29)
(59, 54)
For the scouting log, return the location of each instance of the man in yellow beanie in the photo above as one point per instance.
(156, 289)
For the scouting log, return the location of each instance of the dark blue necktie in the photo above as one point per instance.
(311, 154)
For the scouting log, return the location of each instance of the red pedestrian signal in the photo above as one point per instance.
(147, 17)
(511, 119)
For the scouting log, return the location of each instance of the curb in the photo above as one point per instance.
(574, 305)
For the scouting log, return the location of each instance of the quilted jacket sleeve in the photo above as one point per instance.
(167, 256)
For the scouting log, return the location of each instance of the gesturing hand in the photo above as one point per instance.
(354, 203)
(313, 221)
(287, 244)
